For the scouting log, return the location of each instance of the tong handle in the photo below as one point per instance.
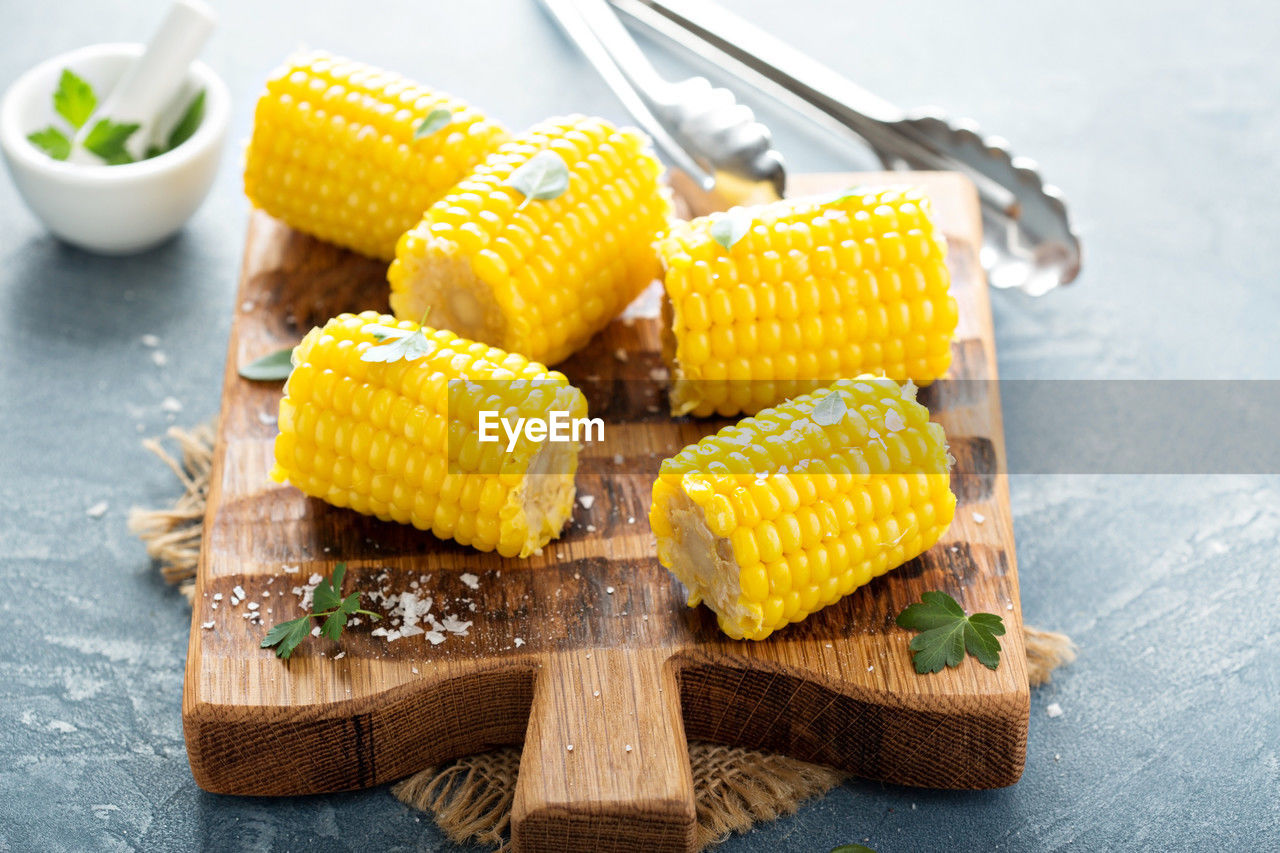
(594, 27)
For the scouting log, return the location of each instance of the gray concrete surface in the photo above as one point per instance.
(1160, 122)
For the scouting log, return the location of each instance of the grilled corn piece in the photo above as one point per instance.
(334, 153)
(532, 274)
(815, 290)
(401, 440)
(786, 512)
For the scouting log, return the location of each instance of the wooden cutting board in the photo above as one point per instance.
(586, 653)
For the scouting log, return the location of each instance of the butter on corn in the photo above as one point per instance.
(538, 276)
(786, 512)
(400, 440)
(816, 290)
(333, 152)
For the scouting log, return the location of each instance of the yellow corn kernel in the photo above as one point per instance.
(333, 152)
(816, 290)
(778, 516)
(401, 441)
(539, 277)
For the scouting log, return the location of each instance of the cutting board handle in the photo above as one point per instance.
(605, 762)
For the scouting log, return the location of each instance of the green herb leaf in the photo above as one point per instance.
(845, 194)
(74, 99)
(328, 604)
(435, 120)
(270, 368)
(332, 627)
(852, 848)
(287, 635)
(731, 226)
(830, 409)
(52, 142)
(410, 346)
(327, 594)
(545, 176)
(947, 633)
(152, 151)
(190, 121)
(107, 138)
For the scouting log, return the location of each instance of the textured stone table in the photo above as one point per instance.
(1162, 127)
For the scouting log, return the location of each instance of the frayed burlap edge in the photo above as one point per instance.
(471, 798)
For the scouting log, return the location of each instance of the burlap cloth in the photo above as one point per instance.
(470, 798)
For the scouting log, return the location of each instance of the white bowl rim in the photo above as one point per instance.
(19, 148)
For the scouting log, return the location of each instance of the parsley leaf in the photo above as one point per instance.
(107, 138)
(328, 604)
(187, 125)
(287, 635)
(545, 176)
(270, 368)
(435, 120)
(946, 633)
(409, 346)
(729, 227)
(830, 409)
(52, 142)
(74, 99)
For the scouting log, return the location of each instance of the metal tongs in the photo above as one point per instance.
(1029, 241)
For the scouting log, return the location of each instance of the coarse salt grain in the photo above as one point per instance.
(252, 605)
(208, 626)
(586, 500)
(628, 747)
(159, 358)
(519, 642)
(1053, 709)
(238, 591)
(151, 341)
(98, 510)
(470, 580)
(620, 354)
(893, 421)
(569, 748)
(978, 518)
(609, 590)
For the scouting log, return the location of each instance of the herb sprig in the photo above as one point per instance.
(74, 100)
(436, 119)
(543, 177)
(947, 633)
(328, 604)
(729, 227)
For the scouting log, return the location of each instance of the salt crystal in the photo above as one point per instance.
(470, 580)
(217, 596)
(978, 518)
(893, 421)
(659, 374)
(628, 747)
(609, 590)
(620, 354)
(340, 656)
(159, 358)
(151, 341)
(1057, 757)
(238, 591)
(266, 418)
(435, 637)
(519, 642)
(871, 669)
(1053, 709)
(253, 605)
(208, 626)
(569, 748)
(315, 632)
(98, 510)
(246, 306)
(596, 694)
(456, 626)
(586, 500)
(414, 670)
(631, 520)
(267, 593)
(315, 579)
(591, 528)
(290, 570)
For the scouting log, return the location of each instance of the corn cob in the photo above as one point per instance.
(781, 514)
(333, 151)
(399, 440)
(816, 290)
(538, 277)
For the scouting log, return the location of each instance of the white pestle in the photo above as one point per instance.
(154, 79)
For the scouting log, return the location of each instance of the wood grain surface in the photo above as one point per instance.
(585, 653)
